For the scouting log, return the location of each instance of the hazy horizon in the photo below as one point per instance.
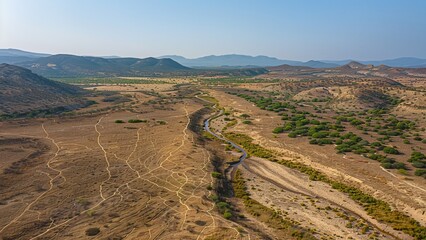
(295, 30)
(166, 55)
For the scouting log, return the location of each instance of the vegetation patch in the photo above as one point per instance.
(267, 215)
(209, 99)
(108, 80)
(116, 99)
(304, 124)
(161, 122)
(216, 174)
(236, 80)
(246, 142)
(378, 209)
(418, 160)
(137, 121)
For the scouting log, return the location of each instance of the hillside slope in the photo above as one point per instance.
(12, 56)
(23, 92)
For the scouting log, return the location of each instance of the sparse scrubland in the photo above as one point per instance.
(337, 153)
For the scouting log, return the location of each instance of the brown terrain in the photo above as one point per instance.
(408, 195)
(134, 180)
(137, 164)
(22, 92)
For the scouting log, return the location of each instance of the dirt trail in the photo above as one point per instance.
(152, 176)
(139, 176)
(51, 180)
(297, 183)
(106, 159)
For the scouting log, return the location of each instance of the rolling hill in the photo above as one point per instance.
(23, 92)
(406, 62)
(15, 55)
(351, 71)
(63, 65)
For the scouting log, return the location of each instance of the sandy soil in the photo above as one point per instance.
(133, 181)
(314, 204)
(406, 195)
(61, 176)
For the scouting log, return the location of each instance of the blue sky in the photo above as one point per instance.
(287, 29)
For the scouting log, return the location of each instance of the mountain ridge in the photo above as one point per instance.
(66, 65)
(237, 60)
(265, 61)
(16, 56)
(12, 56)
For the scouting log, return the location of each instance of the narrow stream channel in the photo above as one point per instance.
(207, 128)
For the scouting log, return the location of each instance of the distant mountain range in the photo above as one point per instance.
(15, 56)
(352, 71)
(234, 60)
(65, 65)
(406, 62)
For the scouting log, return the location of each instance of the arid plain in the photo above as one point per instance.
(145, 168)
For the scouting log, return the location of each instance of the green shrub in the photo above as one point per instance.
(356, 122)
(417, 156)
(377, 157)
(278, 130)
(222, 205)
(403, 171)
(216, 174)
(246, 142)
(288, 126)
(321, 141)
(214, 197)
(292, 135)
(315, 122)
(161, 122)
(419, 164)
(335, 134)
(420, 172)
(137, 121)
(390, 150)
(119, 121)
(344, 147)
(393, 165)
(377, 145)
(321, 134)
(227, 215)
